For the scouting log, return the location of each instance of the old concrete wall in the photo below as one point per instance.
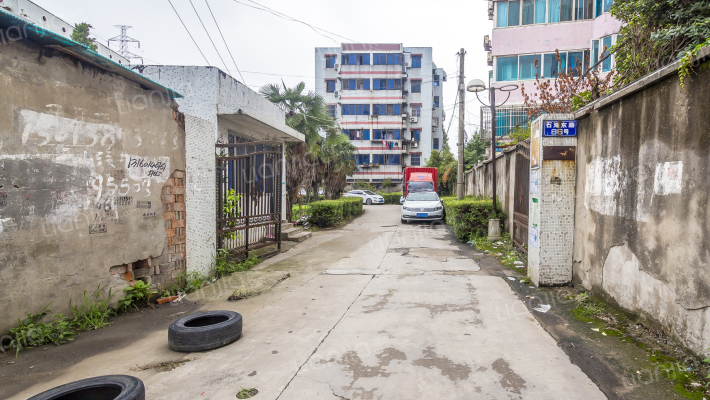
(88, 162)
(641, 219)
(478, 182)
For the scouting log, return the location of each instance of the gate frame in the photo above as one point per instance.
(521, 219)
(245, 213)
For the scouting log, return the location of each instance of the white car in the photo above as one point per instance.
(422, 206)
(368, 197)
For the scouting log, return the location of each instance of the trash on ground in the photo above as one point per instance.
(595, 329)
(543, 308)
(512, 278)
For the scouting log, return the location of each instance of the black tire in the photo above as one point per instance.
(110, 387)
(204, 331)
(368, 202)
(404, 221)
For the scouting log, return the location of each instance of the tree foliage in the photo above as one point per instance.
(80, 34)
(656, 33)
(568, 91)
(446, 169)
(474, 151)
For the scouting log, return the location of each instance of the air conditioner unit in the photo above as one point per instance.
(336, 94)
(490, 10)
(406, 64)
(415, 145)
(413, 119)
(404, 115)
(487, 43)
(490, 59)
(337, 67)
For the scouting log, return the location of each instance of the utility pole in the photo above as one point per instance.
(123, 39)
(462, 126)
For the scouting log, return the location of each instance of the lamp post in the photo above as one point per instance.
(476, 86)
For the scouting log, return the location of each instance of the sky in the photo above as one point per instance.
(268, 48)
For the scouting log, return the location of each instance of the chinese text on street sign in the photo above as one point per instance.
(559, 128)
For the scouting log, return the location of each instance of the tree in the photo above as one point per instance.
(80, 34)
(569, 90)
(474, 151)
(657, 32)
(446, 169)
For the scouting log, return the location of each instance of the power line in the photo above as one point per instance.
(208, 35)
(188, 32)
(225, 42)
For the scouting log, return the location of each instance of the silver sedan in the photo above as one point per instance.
(422, 206)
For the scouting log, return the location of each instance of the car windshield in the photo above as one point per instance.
(423, 196)
(368, 192)
(413, 186)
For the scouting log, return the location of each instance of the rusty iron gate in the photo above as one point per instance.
(249, 176)
(522, 193)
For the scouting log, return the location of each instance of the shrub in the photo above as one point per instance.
(352, 207)
(391, 198)
(137, 293)
(469, 216)
(327, 212)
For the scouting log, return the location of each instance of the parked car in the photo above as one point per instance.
(368, 197)
(422, 206)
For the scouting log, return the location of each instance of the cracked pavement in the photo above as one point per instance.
(374, 310)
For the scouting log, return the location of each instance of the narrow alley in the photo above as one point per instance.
(375, 310)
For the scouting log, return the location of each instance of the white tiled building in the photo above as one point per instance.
(388, 99)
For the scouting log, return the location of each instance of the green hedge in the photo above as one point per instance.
(469, 216)
(391, 198)
(327, 213)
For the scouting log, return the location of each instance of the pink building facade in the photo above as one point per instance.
(526, 36)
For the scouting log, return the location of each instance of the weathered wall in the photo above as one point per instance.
(478, 182)
(89, 162)
(641, 219)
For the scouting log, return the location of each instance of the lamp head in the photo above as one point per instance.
(476, 85)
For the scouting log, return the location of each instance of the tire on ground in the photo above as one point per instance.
(110, 387)
(205, 330)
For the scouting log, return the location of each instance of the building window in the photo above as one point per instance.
(355, 84)
(530, 66)
(510, 13)
(356, 59)
(357, 134)
(355, 109)
(507, 68)
(417, 86)
(386, 109)
(416, 135)
(386, 134)
(514, 13)
(606, 46)
(387, 84)
(332, 110)
(378, 159)
(330, 61)
(330, 86)
(416, 159)
(392, 159)
(436, 80)
(553, 67)
(436, 143)
(436, 101)
(416, 110)
(387, 59)
(416, 61)
(363, 159)
(502, 14)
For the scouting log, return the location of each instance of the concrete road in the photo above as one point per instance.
(376, 310)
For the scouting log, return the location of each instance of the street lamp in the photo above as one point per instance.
(476, 86)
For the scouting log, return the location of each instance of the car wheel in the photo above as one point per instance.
(110, 387)
(369, 202)
(404, 221)
(205, 330)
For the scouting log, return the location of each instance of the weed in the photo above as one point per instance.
(192, 281)
(503, 250)
(31, 332)
(224, 266)
(94, 311)
(247, 393)
(137, 293)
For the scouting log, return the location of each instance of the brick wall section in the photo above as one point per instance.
(161, 271)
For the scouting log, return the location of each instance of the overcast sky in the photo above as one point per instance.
(268, 48)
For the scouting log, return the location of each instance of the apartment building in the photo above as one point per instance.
(526, 36)
(388, 99)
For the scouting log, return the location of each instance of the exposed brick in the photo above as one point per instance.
(168, 198)
(171, 234)
(160, 260)
(168, 215)
(179, 198)
(167, 224)
(170, 182)
(129, 267)
(141, 264)
(178, 223)
(168, 207)
(129, 276)
(178, 174)
(143, 272)
(177, 240)
(177, 190)
(117, 270)
(176, 257)
(179, 207)
(179, 182)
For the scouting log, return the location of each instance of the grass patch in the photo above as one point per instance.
(503, 251)
(247, 393)
(224, 265)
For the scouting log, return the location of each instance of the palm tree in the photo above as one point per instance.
(308, 114)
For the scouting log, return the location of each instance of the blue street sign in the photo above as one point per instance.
(559, 128)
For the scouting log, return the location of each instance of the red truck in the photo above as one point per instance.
(419, 178)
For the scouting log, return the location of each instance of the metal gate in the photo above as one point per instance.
(248, 196)
(522, 192)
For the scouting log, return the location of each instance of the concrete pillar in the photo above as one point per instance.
(552, 183)
(283, 183)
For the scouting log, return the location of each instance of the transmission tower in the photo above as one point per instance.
(123, 39)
